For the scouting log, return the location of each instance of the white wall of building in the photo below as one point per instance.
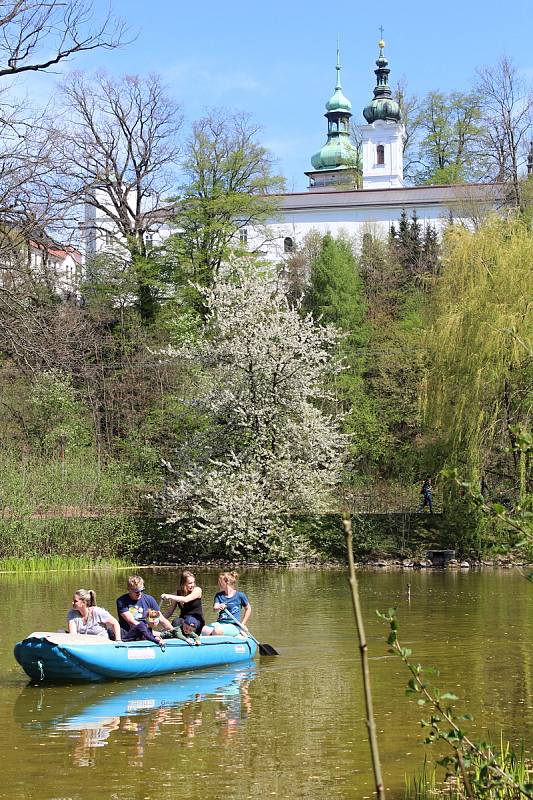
(356, 212)
(388, 135)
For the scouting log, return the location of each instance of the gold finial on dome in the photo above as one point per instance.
(381, 44)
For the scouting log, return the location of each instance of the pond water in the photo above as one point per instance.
(286, 727)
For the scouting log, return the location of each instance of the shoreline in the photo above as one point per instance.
(376, 564)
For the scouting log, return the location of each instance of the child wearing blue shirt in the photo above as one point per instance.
(229, 599)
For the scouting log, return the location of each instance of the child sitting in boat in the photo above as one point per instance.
(185, 628)
(229, 602)
(145, 629)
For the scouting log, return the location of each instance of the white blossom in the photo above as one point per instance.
(270, 451)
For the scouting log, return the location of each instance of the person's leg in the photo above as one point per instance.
(227, 629)
(430, 502)
(215, 629)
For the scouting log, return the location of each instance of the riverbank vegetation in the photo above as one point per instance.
(337, 381)
(184, 382)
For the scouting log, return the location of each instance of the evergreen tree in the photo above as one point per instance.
(409, 242)
(336, 296)
(431, 250)
(415, 243)
(403, 232)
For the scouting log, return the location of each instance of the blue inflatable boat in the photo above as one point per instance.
(62, 657)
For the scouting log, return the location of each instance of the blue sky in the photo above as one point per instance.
(277, 59)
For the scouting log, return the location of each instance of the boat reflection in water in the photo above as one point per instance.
(218, 698)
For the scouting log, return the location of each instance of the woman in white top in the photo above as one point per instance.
(86, 617)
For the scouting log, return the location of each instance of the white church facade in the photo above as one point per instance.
(335, 204)
(352, 189)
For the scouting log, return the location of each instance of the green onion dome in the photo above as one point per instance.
(337, 153)
(338, 102)
(383, 106)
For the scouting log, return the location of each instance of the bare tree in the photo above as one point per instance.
(410, 111)
(118, 155)
(507, 108)
(34, 36)
(37, 34)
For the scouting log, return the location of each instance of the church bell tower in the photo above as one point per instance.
(382, 137)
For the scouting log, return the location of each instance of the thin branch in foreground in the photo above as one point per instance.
(363, 649)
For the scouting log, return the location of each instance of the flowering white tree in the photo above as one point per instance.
(268, 451)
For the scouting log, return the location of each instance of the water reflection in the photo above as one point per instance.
(98, 715)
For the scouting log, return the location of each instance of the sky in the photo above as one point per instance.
(276, 60)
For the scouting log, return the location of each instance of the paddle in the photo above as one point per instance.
(264, 649)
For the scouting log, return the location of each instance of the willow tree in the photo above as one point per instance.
(477, 392)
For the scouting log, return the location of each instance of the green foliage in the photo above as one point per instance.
(335, 292)
(335, 295)
(518, 520)
(73, 508)
(451, 128)
(58, 418)
(57, 563)
(477, 387)
(480, 771)
(229, 186)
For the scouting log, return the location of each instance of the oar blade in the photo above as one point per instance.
(268, 650)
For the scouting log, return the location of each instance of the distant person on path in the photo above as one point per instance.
(426, 498)
(88, 618)
(228, 598)
(188, 598)
(133, 607)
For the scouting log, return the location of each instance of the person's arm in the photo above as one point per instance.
(183, 598)
(247, 615)
(72, 626)
(130, 619)
(218, 605)
(163, 621)
(168, 613)
(115, 627)
(178, 633)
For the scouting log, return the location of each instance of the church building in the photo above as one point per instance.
(358, 189)
(354, 188)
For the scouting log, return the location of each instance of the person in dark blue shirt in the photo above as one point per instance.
(228, 598)
(133, 607)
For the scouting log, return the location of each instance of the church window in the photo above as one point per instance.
(380, 154)
(149, 240)
(288, 245)
(243, 237)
